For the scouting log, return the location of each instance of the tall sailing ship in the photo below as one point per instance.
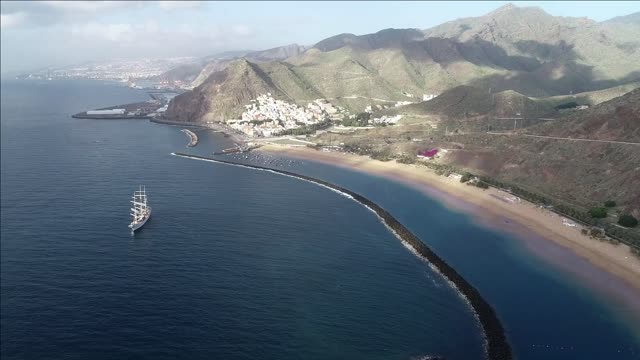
(140, 211)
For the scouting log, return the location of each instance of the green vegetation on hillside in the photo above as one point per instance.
(465, 177)
(361, 119)
(598, 212)
(569, 105)
(306, 129)
(627, 220)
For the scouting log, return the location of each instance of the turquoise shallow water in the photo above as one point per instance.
(242, 264)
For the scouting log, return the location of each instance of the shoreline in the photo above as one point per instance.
(214, 127)
(496, 344)
(491, 208)
(177, 123)
(109, 117)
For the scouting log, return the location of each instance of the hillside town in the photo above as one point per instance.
(266, 116)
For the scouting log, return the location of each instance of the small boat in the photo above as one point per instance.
(140, 211)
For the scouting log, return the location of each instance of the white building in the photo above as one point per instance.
(106, 112)
(266, 116)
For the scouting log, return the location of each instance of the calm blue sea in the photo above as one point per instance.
(243, 264)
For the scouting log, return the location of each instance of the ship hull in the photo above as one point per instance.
(139, 224)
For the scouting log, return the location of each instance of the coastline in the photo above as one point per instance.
(616, 260)
(215, 127)
(178, 123)
(496, 345)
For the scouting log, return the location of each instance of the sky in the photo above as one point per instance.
(56, 33)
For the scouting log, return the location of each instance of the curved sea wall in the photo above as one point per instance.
(193, 138)
(497, 347)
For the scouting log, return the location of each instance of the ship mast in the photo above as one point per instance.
(140, 211)
(139, 203)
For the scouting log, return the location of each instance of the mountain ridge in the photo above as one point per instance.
(512, 48)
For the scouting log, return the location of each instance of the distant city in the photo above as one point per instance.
(132, 71)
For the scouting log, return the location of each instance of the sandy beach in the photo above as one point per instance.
(491, 207)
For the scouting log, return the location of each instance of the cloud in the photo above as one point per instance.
(179, 5)
(241, 30)
(10, 20)
(58, 32)
(84, 6)
(45, 13)
(152, 38)
(109, 32)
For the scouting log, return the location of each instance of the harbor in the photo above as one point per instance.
(238, 148)
(139, 110)
(150, 109)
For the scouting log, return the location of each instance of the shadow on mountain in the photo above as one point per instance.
(544, 70)
(539, 69)
(547, 52)
(480, 52)
(388, 38)
(552, 79)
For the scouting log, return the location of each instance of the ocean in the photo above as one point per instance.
(243, 264)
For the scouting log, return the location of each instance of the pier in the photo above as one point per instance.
(139, 110)
(193, 138)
